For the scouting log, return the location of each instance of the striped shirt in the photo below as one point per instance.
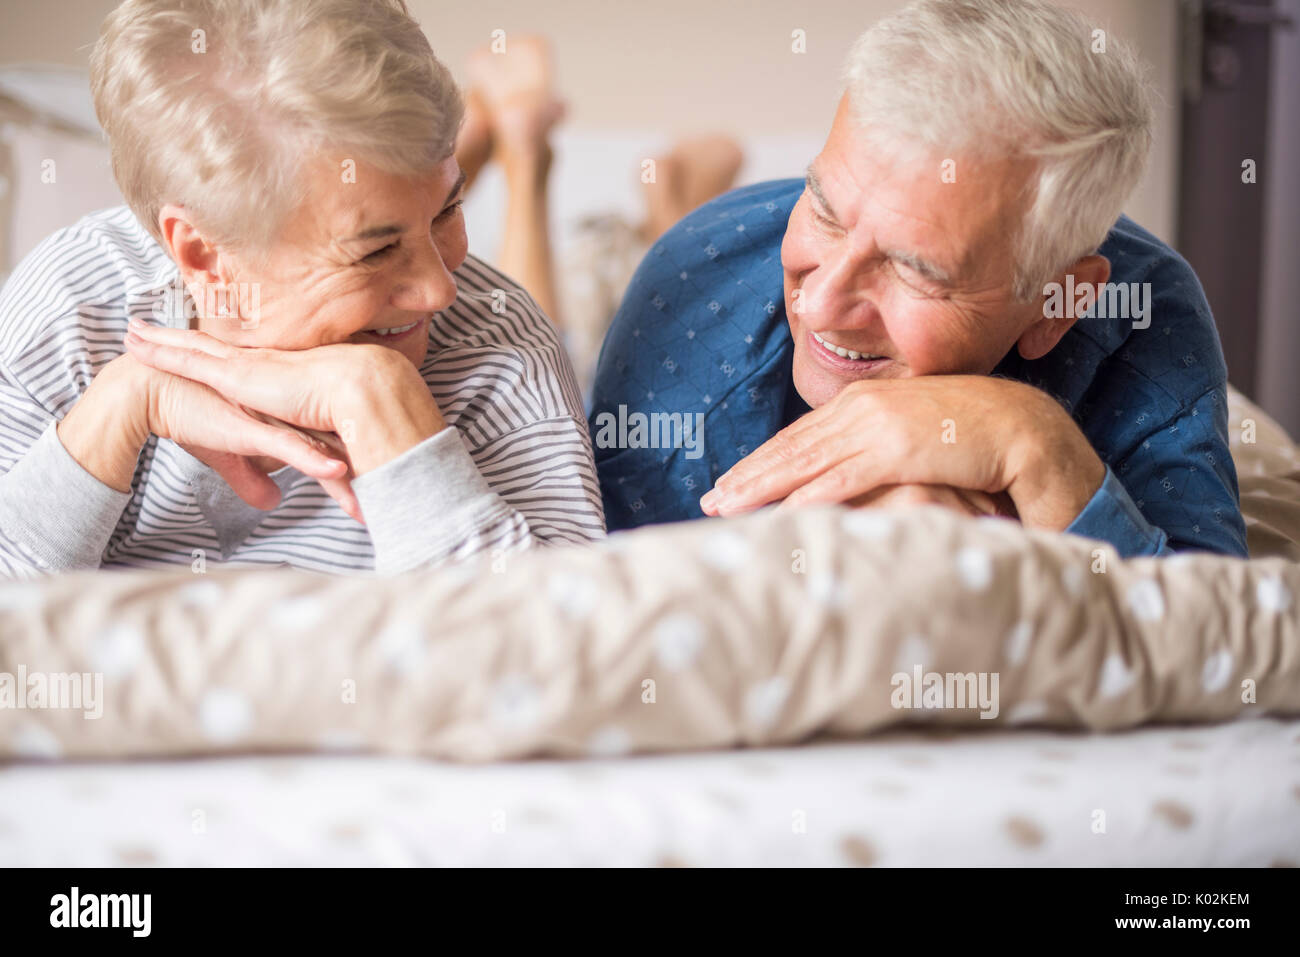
(515, 468)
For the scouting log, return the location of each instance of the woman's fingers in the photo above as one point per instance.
(338, 487)
(198, 365)
(292, 449)
(341, 491)
(236, 430)
(291, 386)
(180, 338)
(337, 483)
(251, 484)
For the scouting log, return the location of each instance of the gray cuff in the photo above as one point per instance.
(420, 506)
(56, 510)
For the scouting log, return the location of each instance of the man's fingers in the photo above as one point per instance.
(787, 466)
(798, 453)
(840, 483)
(774, 453)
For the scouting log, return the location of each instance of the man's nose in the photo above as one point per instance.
(830, 292)
(427, 286)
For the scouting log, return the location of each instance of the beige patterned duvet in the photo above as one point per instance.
(763, 630)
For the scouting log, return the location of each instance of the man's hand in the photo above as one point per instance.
(370, 396)
(974, 504)
(973, 433)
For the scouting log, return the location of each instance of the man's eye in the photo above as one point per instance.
(914, 280)
(379, 254)
(826, 223)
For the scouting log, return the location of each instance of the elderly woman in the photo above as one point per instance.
(342, 387)
(913, 321)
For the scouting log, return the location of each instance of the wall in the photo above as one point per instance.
(678, 65)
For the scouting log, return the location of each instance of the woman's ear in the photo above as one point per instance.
(198, 259)
(1057, 309)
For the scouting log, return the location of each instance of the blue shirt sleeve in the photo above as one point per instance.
(1175, 490)
(701, 335)
(1112, 517)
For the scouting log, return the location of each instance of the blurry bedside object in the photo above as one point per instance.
(54, 165)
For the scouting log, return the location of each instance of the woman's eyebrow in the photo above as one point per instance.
(460, 181)
(392, 229)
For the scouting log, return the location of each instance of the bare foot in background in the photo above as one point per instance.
(688, 176)
(516, 90)
(474, 140)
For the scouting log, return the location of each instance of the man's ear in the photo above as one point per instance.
(1046, 331)
(198, 259)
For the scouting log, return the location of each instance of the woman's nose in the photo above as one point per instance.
(427, 286)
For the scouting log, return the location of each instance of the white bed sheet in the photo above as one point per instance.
(1196, 796)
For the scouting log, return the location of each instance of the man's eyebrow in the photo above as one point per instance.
(815, 185)
(375, 232)
(926, 268)
(392, 229)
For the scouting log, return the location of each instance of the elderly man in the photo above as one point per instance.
(930, 316)
(336, 355)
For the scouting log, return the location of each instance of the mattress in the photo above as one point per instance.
(1226, 795)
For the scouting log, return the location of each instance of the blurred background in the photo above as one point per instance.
(637, 78)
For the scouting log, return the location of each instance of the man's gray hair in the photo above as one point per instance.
(1014, 78)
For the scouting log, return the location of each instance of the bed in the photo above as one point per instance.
(687, 695)
(1214, 796)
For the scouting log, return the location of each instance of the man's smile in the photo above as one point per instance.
(840, 360)
(842, 351)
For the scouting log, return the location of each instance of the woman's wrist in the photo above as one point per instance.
(109, 425)
(386, 414)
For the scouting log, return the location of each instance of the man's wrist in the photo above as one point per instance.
(1055, 471)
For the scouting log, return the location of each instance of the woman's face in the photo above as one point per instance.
(366, 251)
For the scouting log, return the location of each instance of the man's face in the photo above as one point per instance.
(885, 259)
(356, 257)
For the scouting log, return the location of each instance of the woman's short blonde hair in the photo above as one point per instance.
(218, 105)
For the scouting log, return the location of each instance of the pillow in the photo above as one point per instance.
(761, 630)
(1268, 477)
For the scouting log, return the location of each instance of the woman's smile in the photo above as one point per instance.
(392, 335)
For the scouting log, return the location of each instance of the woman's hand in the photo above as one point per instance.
(271, 381)
(370, 396)
(219, 434)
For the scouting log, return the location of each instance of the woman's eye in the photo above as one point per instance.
(450, 210)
